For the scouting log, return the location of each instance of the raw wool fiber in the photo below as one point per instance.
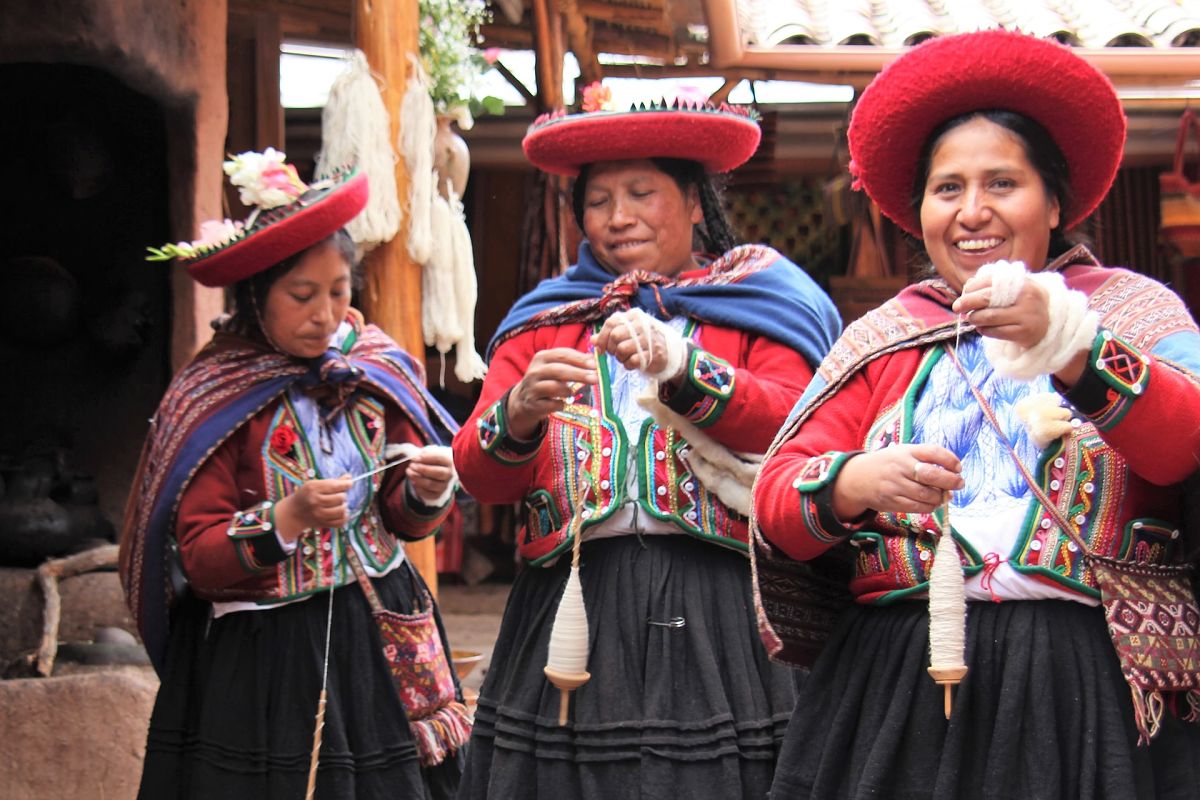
(468, 366)
(418, 127)
(449, 289)
(356, 131)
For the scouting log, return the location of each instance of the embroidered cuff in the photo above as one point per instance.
(815, 485)
(705, 391)
(495, 440)
(1115, 376)
(255, 540)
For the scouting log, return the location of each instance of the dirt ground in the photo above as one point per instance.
(472, 617)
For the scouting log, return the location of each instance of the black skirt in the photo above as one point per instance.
(692, 711)
(234, 715)
(1043, 714)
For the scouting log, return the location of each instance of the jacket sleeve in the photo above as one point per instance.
(740, 395)
(403, 513)
(793, 493)
(1144, 408)
(494, 466)
(225, 529)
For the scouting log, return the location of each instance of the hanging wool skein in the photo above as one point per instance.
(947, 612)
(418, 126)
(468, 366)
(356, 131)
(567, 655)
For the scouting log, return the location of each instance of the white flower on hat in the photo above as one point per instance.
(263, 179)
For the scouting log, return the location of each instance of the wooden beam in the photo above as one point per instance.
(546, 54)
(721, 95)
(630, 16)
(580, 39)
(386, 31)
(515, 82)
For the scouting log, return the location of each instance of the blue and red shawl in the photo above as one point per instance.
(226, 384)
(751, 288)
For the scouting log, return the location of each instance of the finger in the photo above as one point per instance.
(564, 356)
(971, 301)
(936, 454)
(937, 479)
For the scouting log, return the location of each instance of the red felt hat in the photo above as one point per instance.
(953, 75)
(289, 216)
(718, 137)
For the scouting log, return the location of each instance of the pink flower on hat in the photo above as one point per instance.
(597, 97)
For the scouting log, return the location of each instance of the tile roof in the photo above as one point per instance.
(901, 23)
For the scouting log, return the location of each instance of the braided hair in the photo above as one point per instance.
(716, 235)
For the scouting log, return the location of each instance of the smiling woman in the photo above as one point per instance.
(1027, 407)
(623, 407)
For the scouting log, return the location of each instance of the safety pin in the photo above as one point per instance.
(673, 622)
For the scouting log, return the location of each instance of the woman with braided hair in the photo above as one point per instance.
(624, 403)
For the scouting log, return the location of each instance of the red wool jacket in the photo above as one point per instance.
(739, 389)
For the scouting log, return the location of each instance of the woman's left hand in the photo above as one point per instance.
(1025, 322)
(639, 342)
(430, 473)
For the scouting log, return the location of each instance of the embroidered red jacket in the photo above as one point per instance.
(227, 544)
(739, 388)
(1116, 476)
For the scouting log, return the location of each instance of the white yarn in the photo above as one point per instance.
(418, 127)
(1072, 328)
(356, 131)
(468, 366)
(438, 318)
(726, 474)
(947, 606)
(1044, 417)
(635, 320)
(568, 651)
(1007, 279)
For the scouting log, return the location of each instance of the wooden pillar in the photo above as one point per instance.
(386, 31)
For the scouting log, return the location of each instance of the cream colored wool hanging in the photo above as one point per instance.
(418, 127)
(567, 655)
(468, 366)
(947, 614)
(356, 131)
(439, 322)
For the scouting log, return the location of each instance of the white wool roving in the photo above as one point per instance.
(1044, 417)
(439, 320)
(1072, 328)
(468, 366)
(356, 131)
(418, 127)
(1007, 279)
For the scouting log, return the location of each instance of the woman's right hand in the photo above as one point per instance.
(316, 504)
(552, 376)
(912, 478)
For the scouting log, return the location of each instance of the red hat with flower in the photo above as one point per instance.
(1003, 70)
(288, 216)
(720, 137)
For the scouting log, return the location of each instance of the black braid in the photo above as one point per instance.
(716, 235)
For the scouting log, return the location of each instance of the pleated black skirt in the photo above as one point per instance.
(1043, 714)
(692, 711)
(234, 714)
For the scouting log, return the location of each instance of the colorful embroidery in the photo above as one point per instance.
(1124, 369)
(246, 527)
(714, 377)
(492, 429)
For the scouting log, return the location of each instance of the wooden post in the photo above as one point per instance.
(386, 31)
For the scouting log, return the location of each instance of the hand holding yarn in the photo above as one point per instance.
(552, 377)
(431, 475)
(642, 342)
(316, 504)
(912, 478)
(1041, 331)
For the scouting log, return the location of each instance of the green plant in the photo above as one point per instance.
(449, 32)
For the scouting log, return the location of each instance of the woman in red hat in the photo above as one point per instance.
(1042, 409)
(263, 496)
(624, 403)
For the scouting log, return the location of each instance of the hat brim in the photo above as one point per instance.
(949, 76)
(282, 232)
(719, 140)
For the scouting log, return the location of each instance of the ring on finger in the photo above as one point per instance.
(916, 477)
